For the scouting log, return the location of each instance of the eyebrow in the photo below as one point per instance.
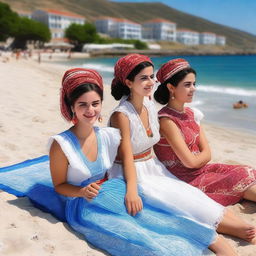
(84, 102)
(147, 75)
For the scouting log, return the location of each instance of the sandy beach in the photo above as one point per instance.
(30, 114)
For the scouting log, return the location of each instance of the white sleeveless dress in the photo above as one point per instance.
(159, 187)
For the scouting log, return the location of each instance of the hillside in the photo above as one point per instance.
(139, 12)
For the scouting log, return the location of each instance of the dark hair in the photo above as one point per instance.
(121, 89)
(162, 94)
(80, 90)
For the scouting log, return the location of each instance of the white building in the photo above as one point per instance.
(57, 21)
(188, 37)
(220, 40)
(159, 29)
(118, 28)
(207, 38)
(105, 25)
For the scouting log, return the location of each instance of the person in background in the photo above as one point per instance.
(240, 104)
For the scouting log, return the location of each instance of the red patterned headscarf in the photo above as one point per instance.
(71, 80)
(125, 65)
(170, 68)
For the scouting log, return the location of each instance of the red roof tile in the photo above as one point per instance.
(69, 14)
(158, 20)
(116, 19)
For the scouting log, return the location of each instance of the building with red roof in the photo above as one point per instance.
(57, 21)
(188, 37)
(159, 29)
(207, 38)
(118, 27)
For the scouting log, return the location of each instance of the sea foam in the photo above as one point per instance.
(99, 67)
(227, 90)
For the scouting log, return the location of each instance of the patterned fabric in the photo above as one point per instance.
(171, 68)
(159, 187)
(125, 65)
(71, 80)
(223, 183)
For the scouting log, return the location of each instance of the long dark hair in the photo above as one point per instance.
(162, 94)
(80, 90)
(121, 89)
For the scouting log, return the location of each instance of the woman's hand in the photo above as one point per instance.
(133, 203)
(91, 191)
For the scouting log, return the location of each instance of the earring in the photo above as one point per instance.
(130, 95)
(172, 98)
(74, 119)
(100, 119)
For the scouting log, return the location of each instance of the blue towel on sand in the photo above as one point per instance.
(102, 221)
(38, 187)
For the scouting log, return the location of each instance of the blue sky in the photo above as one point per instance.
(240, 14)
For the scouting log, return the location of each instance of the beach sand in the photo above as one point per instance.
(29, 106)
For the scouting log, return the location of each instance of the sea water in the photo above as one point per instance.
(221, 81)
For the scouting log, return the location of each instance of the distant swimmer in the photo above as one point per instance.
(240, 104)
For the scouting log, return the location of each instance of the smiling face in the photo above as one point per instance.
(88, 107)
(143, 82)
(185, 89)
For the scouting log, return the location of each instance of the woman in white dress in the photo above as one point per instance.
(136, 117)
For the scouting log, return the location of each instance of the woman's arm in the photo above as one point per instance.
(59, 168)
(132, 199)
(173, 135)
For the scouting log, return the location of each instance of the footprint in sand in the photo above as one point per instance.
(2, 128)
(228, 151)
(49, 248)
(35, 238)
(12, 225)
(37, 119)
(11, 146)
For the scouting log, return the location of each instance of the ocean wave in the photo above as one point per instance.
(227, 90)
(99, 67)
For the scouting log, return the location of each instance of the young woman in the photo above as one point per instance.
(79, 159)
(183, 147)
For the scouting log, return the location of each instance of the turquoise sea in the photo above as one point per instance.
(221, 81)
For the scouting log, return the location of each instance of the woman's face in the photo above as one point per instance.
(88, 107)
(143, 82)
(185, 89)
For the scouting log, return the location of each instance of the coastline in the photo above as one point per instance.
(181, 51)
(29, 116)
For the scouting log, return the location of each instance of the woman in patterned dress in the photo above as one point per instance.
(183, 147)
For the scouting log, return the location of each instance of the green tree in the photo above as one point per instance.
(9, 21)
(140, 45)
(30, 30)
(81, 34)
